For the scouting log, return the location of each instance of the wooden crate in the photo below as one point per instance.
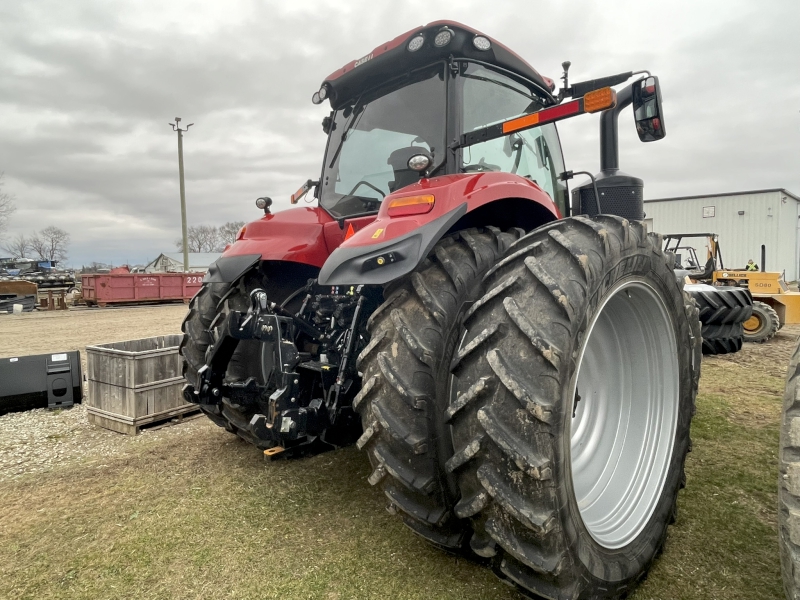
(135, 383)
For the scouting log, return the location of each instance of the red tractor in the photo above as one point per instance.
(521, 372)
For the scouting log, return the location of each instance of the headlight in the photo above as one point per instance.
(416, 43)
(443, 37)
(481, 43)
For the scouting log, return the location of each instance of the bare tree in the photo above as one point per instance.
(19, 246)
(6, 207)
(227, 233)
(50, 243)
(207, 238)
(201, 238)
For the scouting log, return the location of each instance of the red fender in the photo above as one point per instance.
(390, 247)
(450, 191)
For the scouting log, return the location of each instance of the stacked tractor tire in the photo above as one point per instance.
(723, 313)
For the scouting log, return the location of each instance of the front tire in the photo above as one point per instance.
(575, 390)
(762, 325)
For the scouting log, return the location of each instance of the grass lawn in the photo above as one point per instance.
(208, 518)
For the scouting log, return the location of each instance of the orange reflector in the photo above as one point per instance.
(410, 205)
(297, 195)
(521, 123)
(350, 231)
(599, 100)
(554, 113)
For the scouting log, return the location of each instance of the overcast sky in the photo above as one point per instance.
(87, 89)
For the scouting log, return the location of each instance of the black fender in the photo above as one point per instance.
(229, 269)
(378, 264)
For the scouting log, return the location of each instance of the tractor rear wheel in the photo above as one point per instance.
(406, 380)
(762, 325)
(789, 482)
(570, 413)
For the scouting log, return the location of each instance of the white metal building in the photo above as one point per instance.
(744, 221)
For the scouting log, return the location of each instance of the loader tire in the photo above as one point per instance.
(722, 339)
(762, 325)
(789, 482)
(722, 305)
(575, 388)
(406, 379)
(217, 299)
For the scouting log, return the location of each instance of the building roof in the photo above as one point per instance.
(782, 190)
(196, 259)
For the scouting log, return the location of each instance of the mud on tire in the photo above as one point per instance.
(789, 482)
(406, 375)
(574, 307)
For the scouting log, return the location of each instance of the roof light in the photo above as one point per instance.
(323, 92)
(411, 205)
(599, 100)
(264, 203)
(316, 99)
(481, 43)
(416, 43)
(443, 37)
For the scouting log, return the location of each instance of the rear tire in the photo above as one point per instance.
(584, 307)
(789, 482)
(406, 375)
(762, 325)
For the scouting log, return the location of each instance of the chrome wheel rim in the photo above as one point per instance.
(623, 429)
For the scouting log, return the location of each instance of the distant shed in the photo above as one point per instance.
(172, 262)
(744, 221)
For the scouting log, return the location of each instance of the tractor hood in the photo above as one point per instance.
(304, 235)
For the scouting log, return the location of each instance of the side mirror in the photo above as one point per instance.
(647, 109)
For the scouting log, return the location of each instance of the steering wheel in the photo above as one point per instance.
(481, 167)
(368, 184)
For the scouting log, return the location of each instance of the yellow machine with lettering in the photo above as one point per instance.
(774, 304)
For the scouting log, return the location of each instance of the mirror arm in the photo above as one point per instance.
(609, 130)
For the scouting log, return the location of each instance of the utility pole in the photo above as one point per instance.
(176, 126)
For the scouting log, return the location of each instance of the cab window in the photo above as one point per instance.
(489, 97)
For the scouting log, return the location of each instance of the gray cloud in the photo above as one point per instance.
(87, 89)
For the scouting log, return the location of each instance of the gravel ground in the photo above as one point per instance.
(39, 440)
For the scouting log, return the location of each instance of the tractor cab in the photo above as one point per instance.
(686, 257)
(400, 112)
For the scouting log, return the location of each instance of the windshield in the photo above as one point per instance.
(372, 139)
(489, 97)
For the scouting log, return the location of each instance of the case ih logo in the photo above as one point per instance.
(361, 61)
